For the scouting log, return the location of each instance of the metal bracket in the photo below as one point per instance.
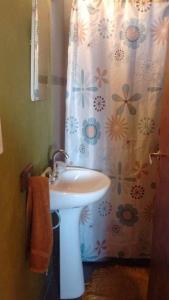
(25, 174)
(156, 155)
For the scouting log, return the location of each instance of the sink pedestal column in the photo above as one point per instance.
(71, 269)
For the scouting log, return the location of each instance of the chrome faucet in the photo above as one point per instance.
(57, 165)
(61, 151)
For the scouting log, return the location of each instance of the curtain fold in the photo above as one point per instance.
(116, 62)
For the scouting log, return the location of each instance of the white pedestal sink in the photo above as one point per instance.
(74, 189)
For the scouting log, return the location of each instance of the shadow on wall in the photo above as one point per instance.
(60, 24)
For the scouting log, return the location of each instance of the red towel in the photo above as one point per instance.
(39, 224)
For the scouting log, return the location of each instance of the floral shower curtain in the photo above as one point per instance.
(116, 60)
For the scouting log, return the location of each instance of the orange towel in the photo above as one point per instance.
(39, 224)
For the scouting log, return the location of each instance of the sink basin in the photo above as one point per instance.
(77, 187)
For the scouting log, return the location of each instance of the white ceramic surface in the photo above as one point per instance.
(74, 188)
(77, 187)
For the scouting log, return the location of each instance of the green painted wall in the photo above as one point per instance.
(27, 135)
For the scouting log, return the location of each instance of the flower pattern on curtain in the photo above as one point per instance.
(116, 61)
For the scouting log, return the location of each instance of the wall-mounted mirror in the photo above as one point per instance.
(40, 49)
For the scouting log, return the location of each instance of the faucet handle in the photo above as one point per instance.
(59, 166)
(57, 152)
